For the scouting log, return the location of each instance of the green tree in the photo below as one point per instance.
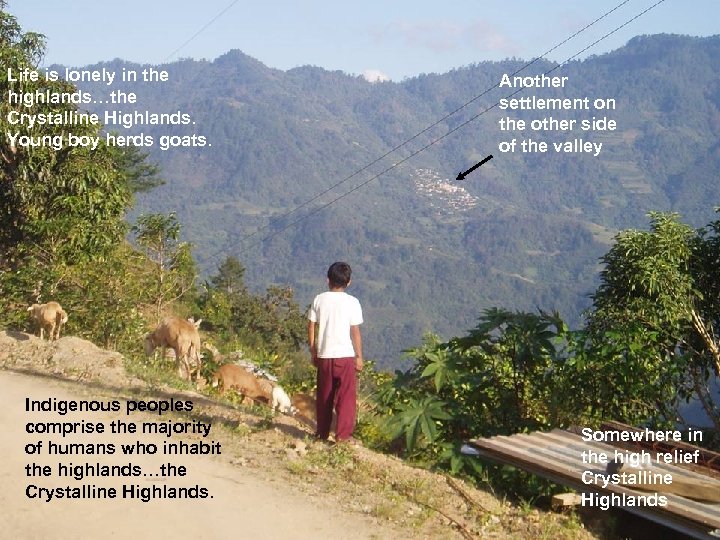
(158, 236)
(61, 206)
(272, 321)
(141, 176)
(66, 202)
(654, 317)
(268, 327)
(104, 299)
(230, 277)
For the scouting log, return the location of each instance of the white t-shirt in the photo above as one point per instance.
(335, 312)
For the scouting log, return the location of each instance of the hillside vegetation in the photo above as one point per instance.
(527, 231)
(524, 236)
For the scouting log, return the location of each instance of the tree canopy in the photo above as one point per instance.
(657, 303)
(65, 201)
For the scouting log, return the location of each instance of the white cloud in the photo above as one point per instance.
(375, 75)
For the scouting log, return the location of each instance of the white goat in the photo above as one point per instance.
(180, 335)
(281, 401)
(50, 316)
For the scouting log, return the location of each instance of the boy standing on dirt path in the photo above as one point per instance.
(336, 350)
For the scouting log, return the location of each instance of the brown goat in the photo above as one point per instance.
(49, 316)
(180, 335)
(307, 410)
(232, 377)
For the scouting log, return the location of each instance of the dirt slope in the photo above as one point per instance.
(243, 504)
(270, 481)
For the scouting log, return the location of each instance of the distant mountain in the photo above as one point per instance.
(428, 252)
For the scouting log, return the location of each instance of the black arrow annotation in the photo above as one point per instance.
(462, 175)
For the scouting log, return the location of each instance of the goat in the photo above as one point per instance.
(194, 322)
(306, 410)
(50, 316)
(232, 377)
(180, 335)
(305, 405)
(266, 386)
(212, 349)
(281, 401)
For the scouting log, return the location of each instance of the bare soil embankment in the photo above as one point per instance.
(270, 481)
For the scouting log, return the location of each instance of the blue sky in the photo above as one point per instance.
(399, 38)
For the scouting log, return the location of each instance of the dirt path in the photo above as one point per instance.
(271, 480)
(242, 505)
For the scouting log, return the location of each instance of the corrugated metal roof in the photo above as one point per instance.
(557, 456)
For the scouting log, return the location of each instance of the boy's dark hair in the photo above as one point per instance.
(339, 274)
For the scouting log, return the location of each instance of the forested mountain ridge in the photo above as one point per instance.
(527, 230)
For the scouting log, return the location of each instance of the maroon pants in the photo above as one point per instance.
(336, 386)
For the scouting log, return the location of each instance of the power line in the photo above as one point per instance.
(401, 145)
(196, 34)
(435, 141)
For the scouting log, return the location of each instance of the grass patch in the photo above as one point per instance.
(156, 373)
(338, 456)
